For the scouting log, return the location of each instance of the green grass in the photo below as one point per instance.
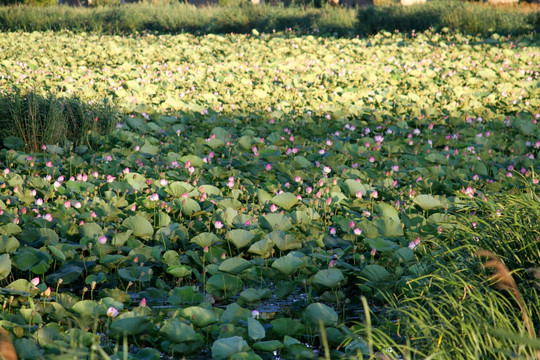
(47, 119)
(174, 18)
(456, 309)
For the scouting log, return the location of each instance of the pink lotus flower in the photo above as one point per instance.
(218, 224)
(48, 217)
(154, 197)
(35, 281)
(273, 208)
(102, 240)
(112, 312)
(142, 303)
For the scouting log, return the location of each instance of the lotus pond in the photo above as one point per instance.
(274, 196)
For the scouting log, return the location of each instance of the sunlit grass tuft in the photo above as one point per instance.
(47, 119)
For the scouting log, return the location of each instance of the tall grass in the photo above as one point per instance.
(46, 119)
(466, 306)
(178, 17)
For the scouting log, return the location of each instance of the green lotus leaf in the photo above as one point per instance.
(239, 237)
(189, 207)
(205, 239)
(284, 241)
(289, 341)
(8, 244)
(5, 266)
(224, 348)
(224, 283)
(275, 221)
(301, 162)
(36, 261)
(179, 271)
(210, 190)
(329, 278)
(68, 273)
(48, 335)
(254, 295)
(376, 273)
(287, 327)
(427, 202)
(179, 188)
(135, 273)
(177, 331)
(148, 354)
(26, 349)
(91, 230)
(137, 181)
(319, 312)
(285, 200)
(268, 346)
(354, 187)
(13, 142)
(89, 308)
(383, 245)
(21, 285)
(261, 247)
(255, 329)
(10, 229)
(120, 238)
(198, 316)
(130, 323)
(148, 148)
(234, 265)
(185, 295)
(234, 313)
(140, 226)
(287, 264)
(193, 159)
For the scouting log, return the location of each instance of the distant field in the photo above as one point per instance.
(270, 195)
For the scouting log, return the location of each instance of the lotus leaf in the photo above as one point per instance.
(198, 316)
(178, 332)
(205, 239)
(329, 278)
(140, 226)
(5, 266)
(319, 312)
(285, 200)
(287, 264)
(427, 202)
(376, 273)
(239, 237)
(268, 346)
(233, 313)
(275, 222)
(129, 323)
(255, 329)
(234, 265)
(137, 181)
(89, 308)
(253, 295)
(223, 349)
(223, 283)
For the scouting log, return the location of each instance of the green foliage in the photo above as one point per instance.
(232, 16)
(455, 15)
(48, 119)
(261, 191)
